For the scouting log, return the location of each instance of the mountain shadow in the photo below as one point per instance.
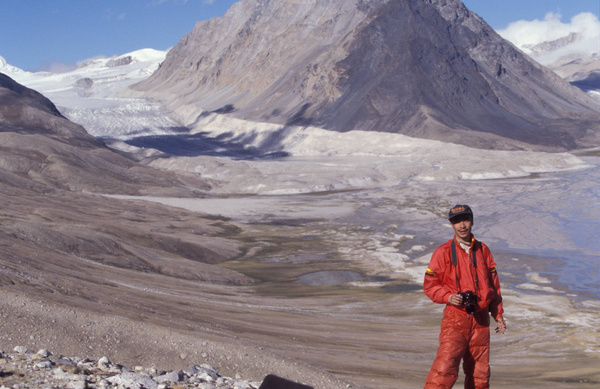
(194, 145)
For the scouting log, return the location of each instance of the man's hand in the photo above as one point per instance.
(501, 326)
(456, 300)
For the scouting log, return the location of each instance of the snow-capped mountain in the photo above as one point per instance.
(88, 94)
(569, 48)
(10, 70)
(91, 94)
(95, 77)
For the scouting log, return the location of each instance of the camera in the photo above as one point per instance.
(469, 301)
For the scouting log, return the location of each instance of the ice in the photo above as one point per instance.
(88, 95)
(537, 278)
(254, 209)
(537, 288)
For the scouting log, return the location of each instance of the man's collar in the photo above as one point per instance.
(470, 242)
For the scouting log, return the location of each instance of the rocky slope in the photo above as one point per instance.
(54, 182)
(25, 111)
(429, 69)
(83, 273)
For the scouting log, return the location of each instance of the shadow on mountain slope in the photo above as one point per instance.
(590, 83)
(200, 144)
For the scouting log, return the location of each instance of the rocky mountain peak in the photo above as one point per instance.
(25, 110)
(425, 68)
(554, 44)
(9, 85)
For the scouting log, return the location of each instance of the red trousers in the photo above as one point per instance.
(465, 337)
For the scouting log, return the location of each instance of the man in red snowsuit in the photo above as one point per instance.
(459, 265)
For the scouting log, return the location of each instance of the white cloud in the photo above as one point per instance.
(56, 67)
(112, 14)
(157, 3)
(583, 31)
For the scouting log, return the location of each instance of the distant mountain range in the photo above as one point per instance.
(571, 50)
(429, 69)
(580, 70)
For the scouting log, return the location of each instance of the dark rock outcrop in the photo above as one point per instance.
(119, 61)
(26, 111)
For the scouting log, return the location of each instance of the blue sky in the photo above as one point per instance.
(499, 13)
(37, 34)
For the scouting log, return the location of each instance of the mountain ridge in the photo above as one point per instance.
(430, 69)
(43, 151)
(25, 110)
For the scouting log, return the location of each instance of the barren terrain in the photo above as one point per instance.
(141, 283)
(308, 266)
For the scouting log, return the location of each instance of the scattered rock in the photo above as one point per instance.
(42, 370)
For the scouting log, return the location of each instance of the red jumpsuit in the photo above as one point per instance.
(463, 336)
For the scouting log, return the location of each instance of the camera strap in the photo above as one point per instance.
(454, 262)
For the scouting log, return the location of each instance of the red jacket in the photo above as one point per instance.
(440, 277)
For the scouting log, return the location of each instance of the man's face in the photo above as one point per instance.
(462, 227)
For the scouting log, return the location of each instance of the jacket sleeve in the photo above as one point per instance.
(496, 306)
(433, 284)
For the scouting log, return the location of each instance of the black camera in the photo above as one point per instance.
(469, 301)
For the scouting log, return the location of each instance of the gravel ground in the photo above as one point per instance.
(25, 369)
(92, 337)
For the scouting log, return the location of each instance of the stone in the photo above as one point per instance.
(174, 377)
(43, 365)
(206, 385)
(76, 385)
(70, 369)
(104, 361)
(21, 350)
(83, 373)
(204, 372)
(133, 381)
(43, 353)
